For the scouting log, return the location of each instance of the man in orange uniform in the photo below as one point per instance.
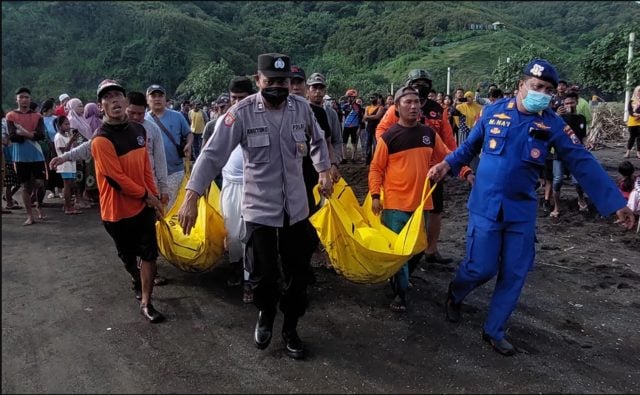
(399, 166)
(128, 194)
(434, 116)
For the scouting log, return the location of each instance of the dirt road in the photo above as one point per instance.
(70, 323)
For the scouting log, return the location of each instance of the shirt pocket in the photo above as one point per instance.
(535, 151)
(300, 140)
(494, 145)
(258, 146)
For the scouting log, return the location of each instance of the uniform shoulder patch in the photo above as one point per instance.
(229, 119)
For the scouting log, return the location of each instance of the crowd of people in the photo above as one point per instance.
(269, 148)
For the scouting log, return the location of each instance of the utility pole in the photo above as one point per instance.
(627, 93)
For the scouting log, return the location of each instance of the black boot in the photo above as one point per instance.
(264, 329)
(293, 344)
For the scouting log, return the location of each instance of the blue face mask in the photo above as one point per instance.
(536, 101)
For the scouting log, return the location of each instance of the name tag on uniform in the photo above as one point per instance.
(256, 131)
(298, 126)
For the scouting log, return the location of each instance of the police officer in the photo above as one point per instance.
(272, 127)
(514, 135)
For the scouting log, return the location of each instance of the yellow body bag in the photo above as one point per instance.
(204, 246)
(360, 248)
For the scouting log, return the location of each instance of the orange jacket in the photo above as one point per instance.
(438, 122)
(123, 170)
(400, 165)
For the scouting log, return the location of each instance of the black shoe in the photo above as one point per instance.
(501, 346)
(293, 344)
(437, 258)
(264, 329)
(137, 289)
(150, 313)
(451, 309)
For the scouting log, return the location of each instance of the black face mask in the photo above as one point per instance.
(423, 91)
(275, 95)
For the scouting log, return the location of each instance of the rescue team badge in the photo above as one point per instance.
(493, 143)
(426, 140)
(279, 64)
(569, 132)
(229, 119)
(537, 70)
(140, 141)
(541, 125)
(501, 116)
(535, 153)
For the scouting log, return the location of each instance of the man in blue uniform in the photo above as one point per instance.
(514, 135)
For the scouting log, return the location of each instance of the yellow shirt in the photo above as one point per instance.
(197, 121)
(634, 103)
(470, 111)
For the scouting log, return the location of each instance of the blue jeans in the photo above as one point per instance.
(197, 144)
(558, 174)
(395, 220)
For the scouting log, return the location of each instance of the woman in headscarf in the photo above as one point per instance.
(80, 123)
(92, 114)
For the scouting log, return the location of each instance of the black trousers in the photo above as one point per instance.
(634, 138)
(271, 282)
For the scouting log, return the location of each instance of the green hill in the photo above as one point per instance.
(66, 46)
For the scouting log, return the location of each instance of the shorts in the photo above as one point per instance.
(68, 175)
(437, 197)
(27, 171)
(135, 237)
(353, 132)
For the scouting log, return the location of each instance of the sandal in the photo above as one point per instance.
(398, 305)
(247, 294)
(159, 280)
(582, 207)
(73, 212)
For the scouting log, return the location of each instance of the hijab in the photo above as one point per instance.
(92, 114)
(78, 121)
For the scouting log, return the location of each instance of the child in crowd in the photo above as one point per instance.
(625, 185)
(64, 140)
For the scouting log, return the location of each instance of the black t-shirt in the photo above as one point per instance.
(578, 123)
(309, 172)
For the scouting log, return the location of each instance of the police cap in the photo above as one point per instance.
(542, 69)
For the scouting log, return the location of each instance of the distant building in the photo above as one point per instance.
(482, 26)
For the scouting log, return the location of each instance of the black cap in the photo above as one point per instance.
(223, 99)
(297, 72)
(404, 91)
(156, 88)
(241, 85)
(108, 85)
(275, 65)
(23, 90)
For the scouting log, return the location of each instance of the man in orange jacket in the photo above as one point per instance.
(434, 116)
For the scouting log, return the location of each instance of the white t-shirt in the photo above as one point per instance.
(61, 142)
